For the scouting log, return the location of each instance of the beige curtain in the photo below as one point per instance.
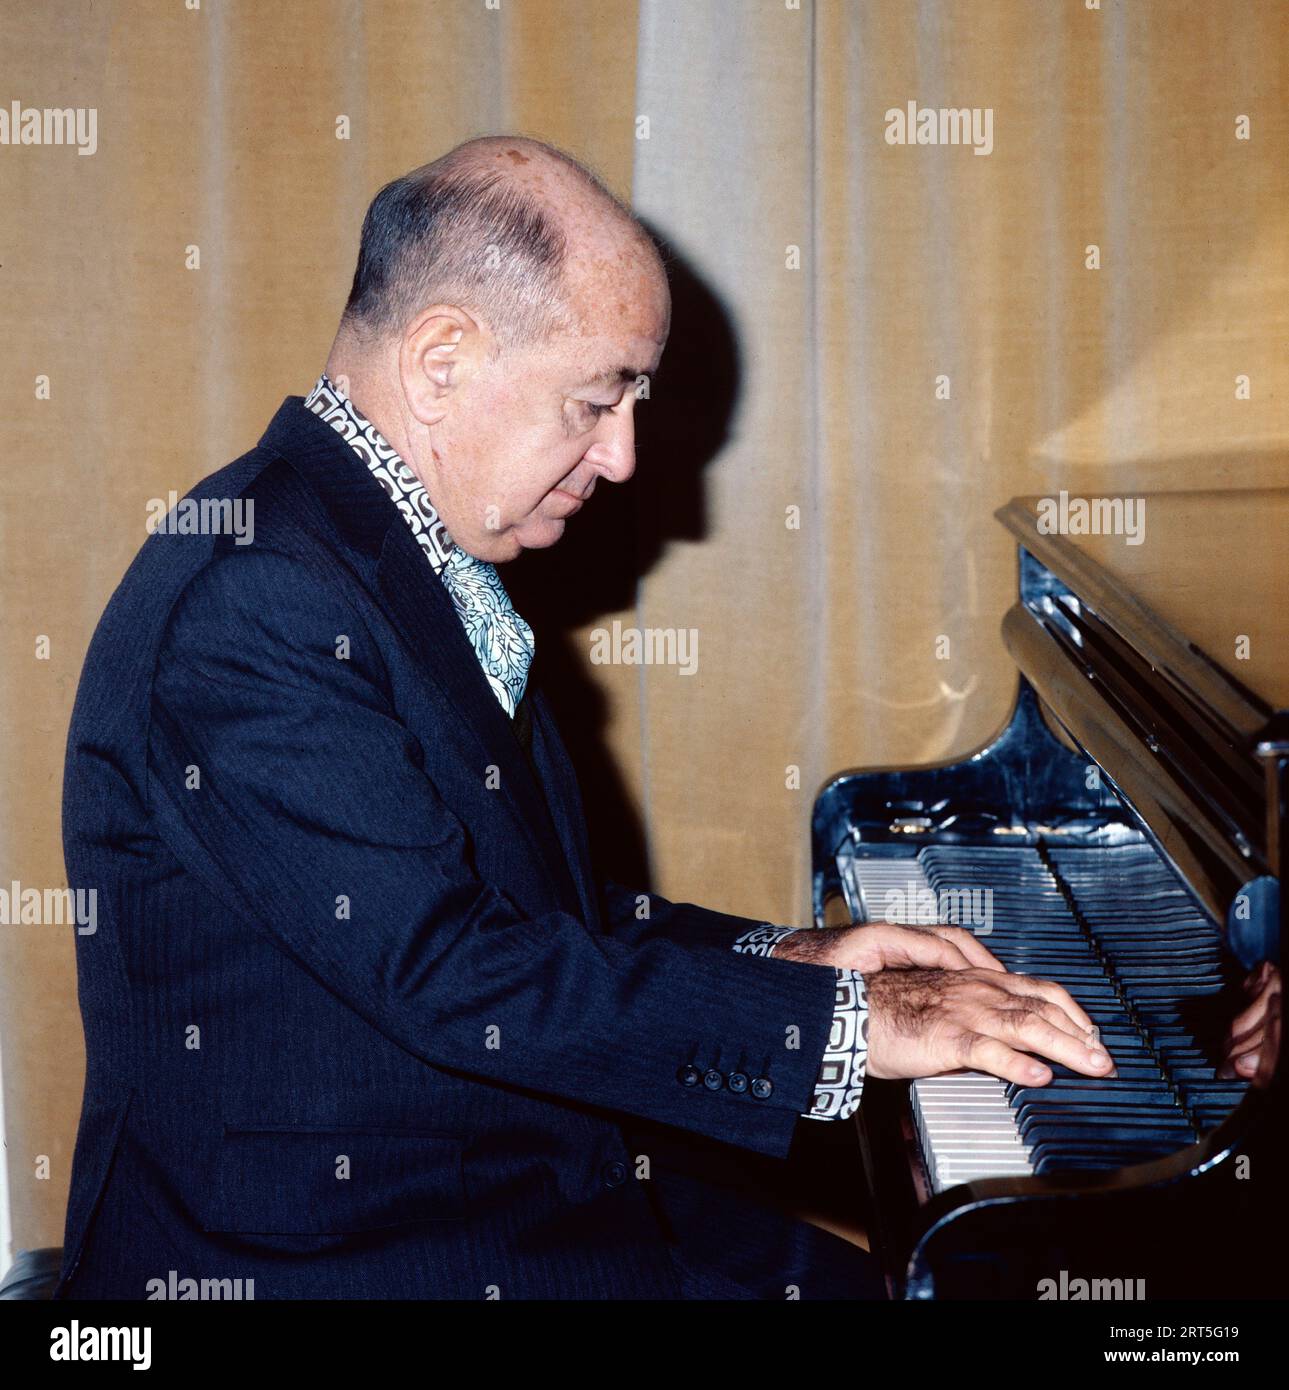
(806, 503)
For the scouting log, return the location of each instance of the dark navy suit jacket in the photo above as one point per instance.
(359, 1022)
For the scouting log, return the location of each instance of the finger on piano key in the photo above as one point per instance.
(1059, 995)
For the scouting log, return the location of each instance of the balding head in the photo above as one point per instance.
(511, 229)
(506, 313)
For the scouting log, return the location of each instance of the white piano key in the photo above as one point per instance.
(967, 1129)
(889, 890)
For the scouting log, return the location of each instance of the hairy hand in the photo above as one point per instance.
(924, 1022)
(882, 946)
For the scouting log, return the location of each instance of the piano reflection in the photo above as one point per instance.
(1125, 836)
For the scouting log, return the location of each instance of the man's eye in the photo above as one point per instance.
(596, 409)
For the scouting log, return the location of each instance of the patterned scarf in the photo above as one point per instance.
(502, 640)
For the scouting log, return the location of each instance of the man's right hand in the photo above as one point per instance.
(924, 1022)
(884, 946)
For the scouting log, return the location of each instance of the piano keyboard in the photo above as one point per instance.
(1114, 926)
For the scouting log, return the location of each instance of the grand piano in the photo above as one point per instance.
(1125, 835)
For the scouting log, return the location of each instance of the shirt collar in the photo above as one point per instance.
(502, 641)
(333, 407)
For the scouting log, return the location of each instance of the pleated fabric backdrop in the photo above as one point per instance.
(875, 345)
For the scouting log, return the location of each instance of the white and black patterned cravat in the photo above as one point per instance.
(502, 640)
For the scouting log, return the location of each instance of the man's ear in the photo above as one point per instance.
(441, 347)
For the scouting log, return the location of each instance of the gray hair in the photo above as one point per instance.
(460, 232)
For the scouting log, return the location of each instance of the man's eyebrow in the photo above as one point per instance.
(612, 377)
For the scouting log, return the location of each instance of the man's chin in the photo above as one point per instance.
(497, 548)
(538, 536)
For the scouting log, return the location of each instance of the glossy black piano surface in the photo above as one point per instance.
(1124, 835)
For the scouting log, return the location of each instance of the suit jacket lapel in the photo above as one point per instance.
(422, 611)
(565, 801)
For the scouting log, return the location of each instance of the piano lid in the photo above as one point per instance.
(1154, 630)
(1197, 582)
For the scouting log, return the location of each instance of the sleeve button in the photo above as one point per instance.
(737, 1082)
(713, 1080)
(689, 1075)
(762, 1088)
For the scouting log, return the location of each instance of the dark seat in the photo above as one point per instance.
(33, 1274)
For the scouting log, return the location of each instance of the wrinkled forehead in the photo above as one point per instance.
(599, 362)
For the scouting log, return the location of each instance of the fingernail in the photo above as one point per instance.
(1100, 1060)
(1038, 1073)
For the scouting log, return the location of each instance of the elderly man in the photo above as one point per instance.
(360, 1021)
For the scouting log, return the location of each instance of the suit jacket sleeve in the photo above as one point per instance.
(639, 917)
(282, 776)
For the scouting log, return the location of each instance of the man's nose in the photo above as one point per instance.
(614, 456)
